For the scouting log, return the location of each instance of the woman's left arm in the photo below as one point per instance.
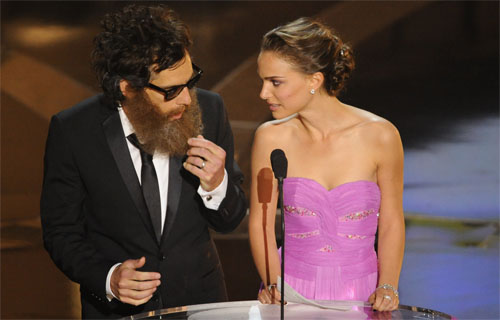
(391, 225)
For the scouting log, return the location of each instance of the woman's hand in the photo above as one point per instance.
(270, 296)
(384, 299)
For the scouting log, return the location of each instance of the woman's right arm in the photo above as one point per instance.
(263, 204)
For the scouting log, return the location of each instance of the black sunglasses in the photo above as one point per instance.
(174, 91)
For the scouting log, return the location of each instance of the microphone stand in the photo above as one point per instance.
(280, 204)
(279, 164)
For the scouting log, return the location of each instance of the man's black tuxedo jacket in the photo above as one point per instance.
(94, 215)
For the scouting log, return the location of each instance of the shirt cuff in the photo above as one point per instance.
(109, 293)
(213, 199)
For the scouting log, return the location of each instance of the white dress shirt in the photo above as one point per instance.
(211, 199)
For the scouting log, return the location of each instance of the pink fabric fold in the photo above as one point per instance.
(330, 238)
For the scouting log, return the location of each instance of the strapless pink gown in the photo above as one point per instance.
(329, 242)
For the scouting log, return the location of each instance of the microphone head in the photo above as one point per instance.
(279, 163)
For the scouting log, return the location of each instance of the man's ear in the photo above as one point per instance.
(125, 88)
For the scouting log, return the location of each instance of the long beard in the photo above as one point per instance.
(156, 132)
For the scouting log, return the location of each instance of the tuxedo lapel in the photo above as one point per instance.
(174, 193)
(118, 145)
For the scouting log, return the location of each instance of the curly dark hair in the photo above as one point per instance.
(312, 47)
(135, 41)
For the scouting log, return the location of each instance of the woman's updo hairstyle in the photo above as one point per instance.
(312, 47)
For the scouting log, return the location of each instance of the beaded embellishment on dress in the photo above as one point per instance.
(304, 234)
(299, 211)
(356, 216)
(351, 236)
(327, 248)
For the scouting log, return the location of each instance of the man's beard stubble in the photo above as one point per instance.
(156, 132)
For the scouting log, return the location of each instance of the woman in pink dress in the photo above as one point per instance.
(344, 180)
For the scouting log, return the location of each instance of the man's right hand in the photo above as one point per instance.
(132, 286)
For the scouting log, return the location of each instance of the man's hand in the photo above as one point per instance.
(206, 160)
(131, 286)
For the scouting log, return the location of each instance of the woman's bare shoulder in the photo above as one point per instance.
(373, 125)
(275, 130)
(374, 131)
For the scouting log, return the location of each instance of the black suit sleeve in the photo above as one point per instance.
(62, 211)
(234, 206)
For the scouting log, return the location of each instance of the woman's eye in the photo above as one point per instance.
(275, 82)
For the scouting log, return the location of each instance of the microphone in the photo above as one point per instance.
(280, 167)
(279, 163)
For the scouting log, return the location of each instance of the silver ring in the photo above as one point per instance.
(387, 297)
(202, 165)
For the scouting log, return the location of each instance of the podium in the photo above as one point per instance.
(254, 310)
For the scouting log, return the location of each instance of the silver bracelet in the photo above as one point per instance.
(270, 287)
(389, 287)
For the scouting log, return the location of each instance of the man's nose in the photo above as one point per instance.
(184, 97)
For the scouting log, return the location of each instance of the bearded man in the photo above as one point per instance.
(134, 177)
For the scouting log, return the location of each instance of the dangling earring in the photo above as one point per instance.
(313, 91)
